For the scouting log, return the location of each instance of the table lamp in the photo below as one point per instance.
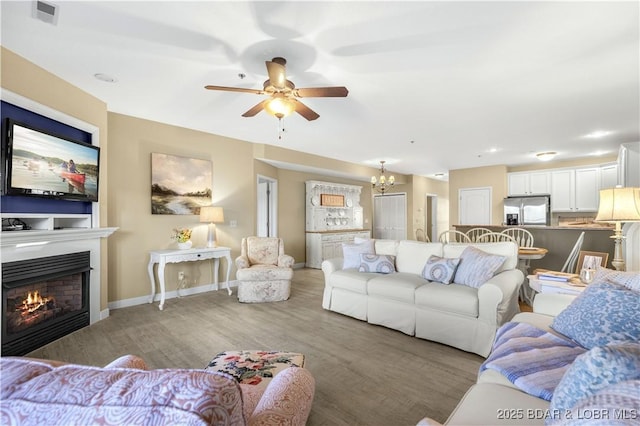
(211, 215)
(618, 205)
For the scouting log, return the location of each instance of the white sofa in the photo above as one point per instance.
(601, 385)
(457, 315)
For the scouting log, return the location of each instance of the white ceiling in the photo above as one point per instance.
(433, 86)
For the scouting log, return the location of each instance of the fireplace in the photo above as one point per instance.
(43, 299)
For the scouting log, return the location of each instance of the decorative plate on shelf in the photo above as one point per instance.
(349, 202)
(315, 200)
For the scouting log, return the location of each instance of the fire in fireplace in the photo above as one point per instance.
(43, 299)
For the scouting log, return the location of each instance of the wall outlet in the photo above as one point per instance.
(181, 275)
(233, 223)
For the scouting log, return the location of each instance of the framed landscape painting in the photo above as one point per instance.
(179, 185)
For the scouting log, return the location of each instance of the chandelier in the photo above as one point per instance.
(382, 183)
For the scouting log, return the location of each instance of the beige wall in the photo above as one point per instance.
(25, 79)
(494, 177)
(422, 187)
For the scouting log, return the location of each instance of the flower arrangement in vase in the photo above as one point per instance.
(183, 237)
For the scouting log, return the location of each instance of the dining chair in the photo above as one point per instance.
(421, 236)
(523, 237)
(474, 233)
(453, 236)
(570, 264)
(494, 237)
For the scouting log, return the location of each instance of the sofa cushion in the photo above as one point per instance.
(264, 273)
(389, 247)
(477, 267)
(629, 279)
(263, 250)
(400, 286)
(351, 253)
(440, 269)
(603, 313)
(586, 375)
(16, 371)
(74, 394)
(412, 255)
(351, 280)
(379, 263)
(617, 404)
(503, 248)
(454, 298)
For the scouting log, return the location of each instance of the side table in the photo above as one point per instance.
(162, 257)
(547, 286)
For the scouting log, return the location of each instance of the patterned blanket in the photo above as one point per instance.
(532, 359)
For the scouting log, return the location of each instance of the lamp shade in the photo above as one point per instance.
(619, 205)
(211, 214)
(280, 107)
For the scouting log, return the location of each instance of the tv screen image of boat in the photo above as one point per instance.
(42, 164)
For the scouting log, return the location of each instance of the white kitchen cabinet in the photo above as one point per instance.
(575, 190)
(529, 183)
(587, 189)
(608, 176)
(563, 190)
(327, 245)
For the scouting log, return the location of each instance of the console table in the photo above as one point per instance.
(162, 257)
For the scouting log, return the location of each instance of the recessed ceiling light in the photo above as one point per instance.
(105, 77)
(598, 134)
(598, 153)
(546, 156)
(493, 149)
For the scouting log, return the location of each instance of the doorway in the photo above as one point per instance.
(267, 204)
(431, 216)
(390, 216)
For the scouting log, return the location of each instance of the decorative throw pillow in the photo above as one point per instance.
(617, 404)
(351, 253)
(440, 269)
(477, 267)
(630, 279)
(604, 313)
(381, 263)
(595, 370)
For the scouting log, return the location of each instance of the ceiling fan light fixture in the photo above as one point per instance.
(280, 107)
(546, 156)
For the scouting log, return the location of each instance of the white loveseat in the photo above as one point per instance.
(454, 314)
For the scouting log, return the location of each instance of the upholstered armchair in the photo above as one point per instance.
(264, 272)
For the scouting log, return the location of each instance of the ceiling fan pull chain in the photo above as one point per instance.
(280, 128)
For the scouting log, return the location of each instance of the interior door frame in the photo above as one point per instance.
(268, 203)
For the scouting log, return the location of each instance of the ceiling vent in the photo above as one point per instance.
(46, 12)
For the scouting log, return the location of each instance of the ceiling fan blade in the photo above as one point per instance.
(235, 89)
(305, 111)
(277, 76)
(322, 92)
(255, 109)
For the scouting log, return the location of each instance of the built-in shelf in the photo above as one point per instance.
(46, 228)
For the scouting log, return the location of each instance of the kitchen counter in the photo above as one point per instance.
(559, 240)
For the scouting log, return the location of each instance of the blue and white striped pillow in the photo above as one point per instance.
(477, 267)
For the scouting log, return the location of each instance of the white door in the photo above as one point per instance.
(267, 203)
(390, 216)
(475, 206)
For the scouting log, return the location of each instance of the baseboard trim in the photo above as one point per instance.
(125, 303)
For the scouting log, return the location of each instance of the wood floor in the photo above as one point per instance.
(365, 374)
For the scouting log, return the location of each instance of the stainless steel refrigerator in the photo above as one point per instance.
(533, 210)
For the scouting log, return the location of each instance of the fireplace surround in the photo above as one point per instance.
(43, 299)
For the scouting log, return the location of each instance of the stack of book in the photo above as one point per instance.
(558, 282)
(555, 276)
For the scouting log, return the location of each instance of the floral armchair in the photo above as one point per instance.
(264, 272)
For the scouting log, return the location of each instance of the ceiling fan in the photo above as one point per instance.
(283, 94)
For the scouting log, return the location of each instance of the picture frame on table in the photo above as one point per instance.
(591, 260)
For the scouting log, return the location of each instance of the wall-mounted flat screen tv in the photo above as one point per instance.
(41, 164)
